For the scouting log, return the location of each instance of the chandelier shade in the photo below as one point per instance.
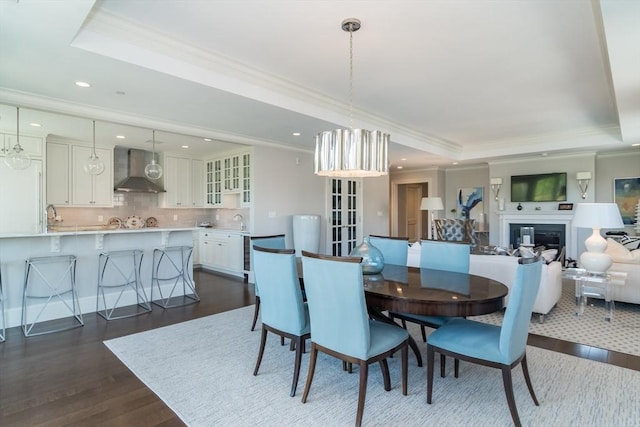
(351, 153)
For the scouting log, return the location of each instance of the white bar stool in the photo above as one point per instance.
(171, 266)
(120, 270)
(48, 279)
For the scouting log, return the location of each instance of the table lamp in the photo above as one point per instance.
(596, 216)
(431, 204)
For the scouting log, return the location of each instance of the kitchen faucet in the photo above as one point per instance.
(239, 217)
(49, 221)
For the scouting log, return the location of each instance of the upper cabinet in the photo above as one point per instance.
(31, 145)
(72, 186)
(229, 175)
(183, 182)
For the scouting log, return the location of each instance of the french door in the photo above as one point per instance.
(344, 215)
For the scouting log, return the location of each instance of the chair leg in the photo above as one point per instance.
(424, 333)
(443, 362)
(263, 340)
(508, 389)
(527, 378)
(362, 393)
(456, 367)
(255, 313)
(313, 355)
(430, 356)
(296, 366)
(404, 355)
(384, 367)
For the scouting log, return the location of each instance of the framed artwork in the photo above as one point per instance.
(565, 206)
(470, 204)
(626, 194)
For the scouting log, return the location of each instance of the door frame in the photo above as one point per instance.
(393, 214)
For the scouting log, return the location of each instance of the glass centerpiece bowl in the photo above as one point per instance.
(372, 259)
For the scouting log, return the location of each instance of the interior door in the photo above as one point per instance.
(344, 216)
(414, 225)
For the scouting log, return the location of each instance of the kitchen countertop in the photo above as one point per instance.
(120, 230)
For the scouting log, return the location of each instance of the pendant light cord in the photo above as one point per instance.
(351, 76)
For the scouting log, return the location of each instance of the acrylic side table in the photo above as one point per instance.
(595, 285)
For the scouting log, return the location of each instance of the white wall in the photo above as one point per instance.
(375, 206)
(284, 185)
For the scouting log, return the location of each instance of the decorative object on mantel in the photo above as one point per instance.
(372, 259)
(496, 183)
(519, 207)
(565, 206)
(583, 182)
(596, 216)
(431, 204)
(626, 193)
(351, 152)
(17, 159)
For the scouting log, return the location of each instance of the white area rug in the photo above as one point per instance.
(203, 370)
(621, 334)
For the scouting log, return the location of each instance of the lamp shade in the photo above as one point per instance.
(431, 204)
(597, 215)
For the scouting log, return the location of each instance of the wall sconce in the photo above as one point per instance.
(583, 182)
(496, 183)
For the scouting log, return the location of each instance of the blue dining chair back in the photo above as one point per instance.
(276, 241)
(283, 312)
(443, 255)
(340, 324)
(394, 249)
(502, 347)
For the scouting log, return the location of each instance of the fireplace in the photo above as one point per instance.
(551, 236)
(541, 220)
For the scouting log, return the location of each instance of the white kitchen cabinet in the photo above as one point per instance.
(58, 174)
(184, 181)
(91, 190)
(229, 175)
(21, 207)
(30, 144)
(222, 251)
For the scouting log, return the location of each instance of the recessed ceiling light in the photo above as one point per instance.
(398, 167)
(454, 163)
(404, 159)
(208, 139)
(544, 154)
(120, 136)
(184, 146)
(635, 145)
(35, 125)
(296, 134)
(83, 84)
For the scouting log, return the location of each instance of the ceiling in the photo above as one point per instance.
(466, 81)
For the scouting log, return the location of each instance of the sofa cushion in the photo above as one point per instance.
(621, 254)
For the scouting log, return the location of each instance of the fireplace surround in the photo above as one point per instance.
(541, 219)
(551, 236)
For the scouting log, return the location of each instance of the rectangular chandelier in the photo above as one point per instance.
(352, 153)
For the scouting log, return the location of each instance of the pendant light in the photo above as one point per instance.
(351, 152)
(93, 165)
(153, 170)
(17, 159)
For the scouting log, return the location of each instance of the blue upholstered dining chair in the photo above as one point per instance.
(501, 347)
(438, 255)
(340, 325)
(394, 249)
(272, 242)
(284, 313)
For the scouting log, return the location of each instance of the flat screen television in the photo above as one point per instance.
(546, 187)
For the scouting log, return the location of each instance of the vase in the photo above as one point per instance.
(372, 259)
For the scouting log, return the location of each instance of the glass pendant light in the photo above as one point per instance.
(17, 159)
(93, 165)
(153, 170)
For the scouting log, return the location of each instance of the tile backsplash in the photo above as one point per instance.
(145, 205)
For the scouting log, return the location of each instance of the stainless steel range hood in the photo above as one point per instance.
(136, 181)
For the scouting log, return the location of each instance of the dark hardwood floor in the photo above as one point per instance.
(71, 378)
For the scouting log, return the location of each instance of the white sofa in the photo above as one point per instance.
(625, 261)
(503, 269)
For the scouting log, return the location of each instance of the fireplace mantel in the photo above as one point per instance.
(539, 217)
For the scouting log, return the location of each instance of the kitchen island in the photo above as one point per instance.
(86, 246)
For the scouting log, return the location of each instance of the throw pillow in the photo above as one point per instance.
(619, 253)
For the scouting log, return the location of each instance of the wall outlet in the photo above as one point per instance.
(100, 218)
(175, 217)
(217, 217)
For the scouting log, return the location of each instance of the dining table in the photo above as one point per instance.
(429, 292)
